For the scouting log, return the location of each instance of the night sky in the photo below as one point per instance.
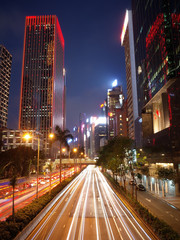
(93, 53)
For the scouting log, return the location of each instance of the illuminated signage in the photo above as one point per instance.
(115, 83)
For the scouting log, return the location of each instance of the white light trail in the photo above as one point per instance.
(108, 226)
(95, 211)
(72, 229)
(81, 230)
(120, 204)
(73, 185)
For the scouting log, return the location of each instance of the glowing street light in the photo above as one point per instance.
(63, 150)
(75, 151)
(51, 135)
(27, 136)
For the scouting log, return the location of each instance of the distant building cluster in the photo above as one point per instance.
(94, 132)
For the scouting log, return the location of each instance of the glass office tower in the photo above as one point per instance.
(5, 75)
(157, 54)
(42, 101)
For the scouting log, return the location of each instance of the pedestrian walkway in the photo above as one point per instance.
(170, 199)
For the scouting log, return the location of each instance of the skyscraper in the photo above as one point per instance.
(5, 75)
(82, 123)
(42, 101)
(115, 100)
(127, 40)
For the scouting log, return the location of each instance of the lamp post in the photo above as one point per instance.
(75, 151)
(63, 151)
(80, 159)
(27, 136)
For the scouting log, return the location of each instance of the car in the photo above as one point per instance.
(141, 187)
(132, 182)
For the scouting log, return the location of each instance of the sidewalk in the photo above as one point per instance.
(171, 200)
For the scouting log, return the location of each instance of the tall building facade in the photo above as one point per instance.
(115, 106)
(42, 101)
(157, 54)
(82, 123)
(127, 40)
(5, 75)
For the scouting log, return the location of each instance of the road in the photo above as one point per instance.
(89, 209)
(159, 208)
(25, 196)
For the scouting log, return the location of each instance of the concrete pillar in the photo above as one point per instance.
(158, 187)
(166, 187)
(151, 184)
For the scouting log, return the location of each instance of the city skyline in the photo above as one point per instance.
(89, 72)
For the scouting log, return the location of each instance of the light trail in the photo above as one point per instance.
(121, 206)
(95, 210)
(25, 196)
(107, 193)
(108, 226)
(81, 231)
(72, 229)
(69, 219)
(73, 185)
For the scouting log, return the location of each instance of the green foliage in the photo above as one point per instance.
(166, 174)
(139, 176)
(113, 154)
(16, 161)
(62, 136)
(145, 170)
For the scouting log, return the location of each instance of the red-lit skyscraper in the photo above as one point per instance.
(42, 101)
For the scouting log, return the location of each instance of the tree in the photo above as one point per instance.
(20, 158)
(13, 183)
(62, 136)
(166, 174)
(113, 154)
(139, 176)
(50, 170)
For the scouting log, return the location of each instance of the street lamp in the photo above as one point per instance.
(75, 151)
(64, 150)
(27, 136)
(80, 159)
(51, 135)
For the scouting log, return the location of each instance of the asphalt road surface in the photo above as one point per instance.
(89, 209)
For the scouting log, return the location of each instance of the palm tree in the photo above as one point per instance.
(62, 136)
(13, 183)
